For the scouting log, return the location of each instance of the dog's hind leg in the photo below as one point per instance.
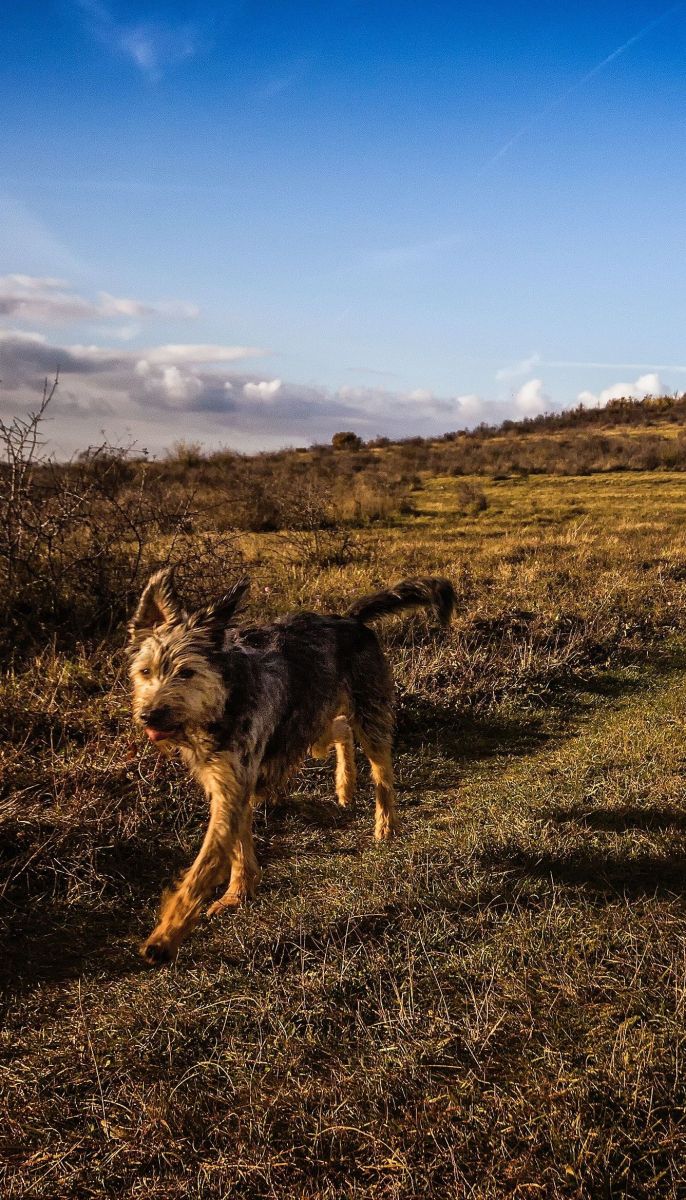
(378, 751)
(346, 772)
(340, 735)
(372, 723)
(245, 873)
(371, 693)
(382, 773)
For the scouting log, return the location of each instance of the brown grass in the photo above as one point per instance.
(493, 1006)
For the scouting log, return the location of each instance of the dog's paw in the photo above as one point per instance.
(229, 902)
(158, 951)
(222, 906)
(385, 831)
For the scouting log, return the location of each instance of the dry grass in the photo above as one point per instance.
(493, 1006)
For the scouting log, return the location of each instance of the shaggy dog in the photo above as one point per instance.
(245, 703)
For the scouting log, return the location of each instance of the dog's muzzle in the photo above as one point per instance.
(158, 723)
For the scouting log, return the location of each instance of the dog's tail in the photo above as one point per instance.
(438, 594)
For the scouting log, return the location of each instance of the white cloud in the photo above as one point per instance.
(418, 405)
(125, 333)
(20, 335)
(264, 390)
(588, 399)
(532, 399)
(524, 367)
(376, 401)
(32, 283)
(180, 388)
(646, 385)
(370, 370)
(201, 353)
(615, 366)
(49, 301)
(470, 406)
(154, 46)
(116, 306)
(29, 298)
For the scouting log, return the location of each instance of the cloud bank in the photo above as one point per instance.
(645, 385)
(157, 393)
(49, 301)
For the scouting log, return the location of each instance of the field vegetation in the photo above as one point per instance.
(492, 1006)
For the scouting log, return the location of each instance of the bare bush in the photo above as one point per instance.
(472, 499)
(346, 440)
(77, 539)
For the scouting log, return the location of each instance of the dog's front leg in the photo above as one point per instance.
(245, 872)
(228, 786)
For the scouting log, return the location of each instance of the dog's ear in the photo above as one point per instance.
(217, 616)
(158, 605)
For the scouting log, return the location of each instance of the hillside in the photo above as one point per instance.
(626, 434)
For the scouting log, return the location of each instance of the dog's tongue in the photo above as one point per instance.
(155, 735)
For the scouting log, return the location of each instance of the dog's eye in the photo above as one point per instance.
(186, 673)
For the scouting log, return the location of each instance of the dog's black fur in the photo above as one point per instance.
(245, 703)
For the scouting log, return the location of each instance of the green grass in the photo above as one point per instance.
(491, 1006)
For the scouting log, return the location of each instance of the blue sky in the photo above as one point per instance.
(257, 223)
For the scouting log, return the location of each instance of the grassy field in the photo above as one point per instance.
(491, 1006)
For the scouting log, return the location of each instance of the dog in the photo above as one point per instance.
(243, 704)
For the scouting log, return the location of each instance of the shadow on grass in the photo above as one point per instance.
(67, 942)
(604, 875)
(314, 805)
(54, 940)
(624, 818)
(354, 929)
(433, 721)
(44, 939)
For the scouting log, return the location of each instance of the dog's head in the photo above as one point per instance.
(177, 681)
